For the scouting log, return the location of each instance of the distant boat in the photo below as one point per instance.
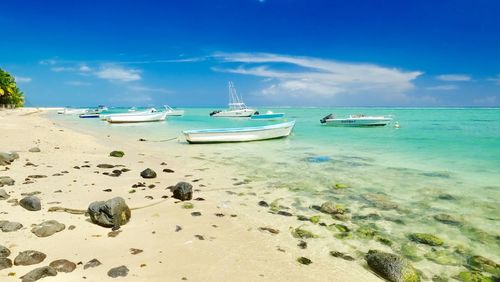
(136, 118)
(242, 134)
(148, 111)
(269, 115)
(89, 115)
(133, 109)
(237, 107)
(70, 111)
(356, 121)
(172, 112)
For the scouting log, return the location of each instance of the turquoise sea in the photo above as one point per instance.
(439, 173)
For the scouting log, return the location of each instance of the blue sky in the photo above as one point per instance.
(277, 52)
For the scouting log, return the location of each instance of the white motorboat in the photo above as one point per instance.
(136, 118)
(148, 111)
(70, 111)
(237, 107)
(356, 120)
(242, 134)
(172, 112)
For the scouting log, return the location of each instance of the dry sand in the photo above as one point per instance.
(233, 249)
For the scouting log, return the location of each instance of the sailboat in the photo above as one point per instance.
(237, 107)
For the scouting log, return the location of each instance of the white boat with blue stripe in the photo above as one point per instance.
(241, 134)
(267, 116)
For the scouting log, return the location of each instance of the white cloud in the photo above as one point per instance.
(139, 88)
(84, 68)
(118, 73)
(495, 79)
(444, 87)
(61, 69)
(314, 76)
(77, 83)
(21, 79)
(47, 62)
(454, 77)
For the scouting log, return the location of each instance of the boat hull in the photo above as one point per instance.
(244, 134)
(235, 113)
(358, 122)
(275, 116)
(105, 117)
(174, 113)
(137, 118)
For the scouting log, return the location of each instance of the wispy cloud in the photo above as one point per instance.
(139, 88)
(454, 77)
(21, 79)
(118, 73)
(84, 68)
(444, 87)
(62, 69)
(495, 79)
(314, 76)
(77, 83)
(47, 62)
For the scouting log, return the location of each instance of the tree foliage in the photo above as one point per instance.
(9, 92)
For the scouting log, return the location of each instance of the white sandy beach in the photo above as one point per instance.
(233, 248)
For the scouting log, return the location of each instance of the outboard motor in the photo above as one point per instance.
(214, 112)
(323, 120)
(256, 113)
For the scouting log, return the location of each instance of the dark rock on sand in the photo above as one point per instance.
(391, 267)
(446, 197)
(148, 173)
(168, 170)
(10, 226)
(284, 213)
(37, 176)
(105, 166)
(111, 213)
(117, 154)
(341, 255)
(263, 204)
(92, 263)
(29, 257)
(427, 239)
(183, 191)
(6, 158)
(47, 228)
(270, 230)
(120, 271)
(6, 180)
(38, 273)
(31, 203)
(4, 252)
(5, 263)
(302, 244)
(63, 265)
(34, 150)
(196, 214)
(304, 260)
(332, 208)
(484, 264)
(4, 195)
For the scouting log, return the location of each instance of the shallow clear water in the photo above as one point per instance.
(438, 161)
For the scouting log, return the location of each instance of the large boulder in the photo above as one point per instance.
(38, 273)
(111, 213)
(5, 263)
(148, 173)
(183, 191)
(29, 257)
(63, 265)
(6, 158)
(4, 252)
(6, 180)
(31, 203)
(47, 228)
(9, 226)
(391, 267)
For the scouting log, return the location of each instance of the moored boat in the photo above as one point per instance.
(148, 111)
(89, 115)
(172, 112)
(137, 118)
(237, 107)
(356, 121)
(71, 111)
(241, 134)
(269, 115)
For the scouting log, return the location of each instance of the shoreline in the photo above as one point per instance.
(234, 250)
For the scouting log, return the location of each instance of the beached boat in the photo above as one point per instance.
(130, 118)
(172, 112)
(242, 134)
(269, 115)
(356, 120)
(148, 111)
(89, 115)
(237, 107)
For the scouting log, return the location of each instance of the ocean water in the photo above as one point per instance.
(440, 161)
